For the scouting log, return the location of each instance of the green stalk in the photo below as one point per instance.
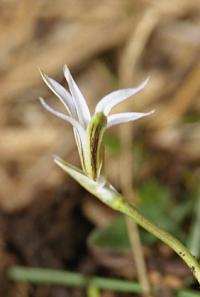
(74, 279)
(167, 238)
(93, 291)
(108, 195)
(194, 241)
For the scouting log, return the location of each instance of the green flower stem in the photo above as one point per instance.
(167, 238)
(108, 195)
(93, 291)
(194, 241)
(74, 279)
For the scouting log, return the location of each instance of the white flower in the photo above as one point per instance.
(89, 130)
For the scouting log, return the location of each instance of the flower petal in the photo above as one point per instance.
(125, 117)
(79, 101)
(61, 93)
(67, 118)
(109, 101)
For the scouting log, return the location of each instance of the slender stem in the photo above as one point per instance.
(194, 242)
(74, 279)
(108, 195)
(93, 291)
(134, 237)
(126, 165)
(167, 238)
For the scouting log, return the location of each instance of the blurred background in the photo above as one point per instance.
(107, 45)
